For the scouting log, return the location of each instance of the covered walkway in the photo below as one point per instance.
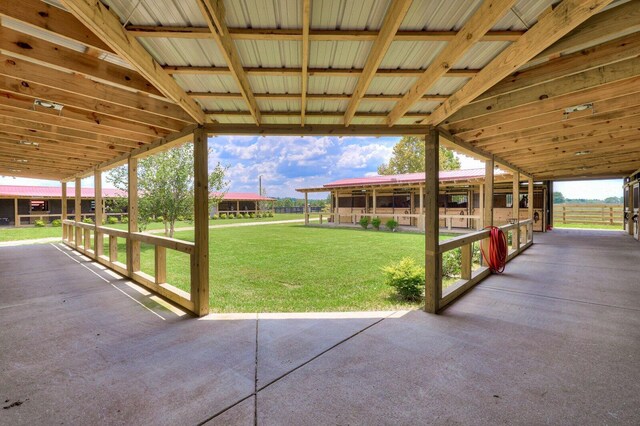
(555, 340)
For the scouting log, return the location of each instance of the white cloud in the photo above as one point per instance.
(361, 156)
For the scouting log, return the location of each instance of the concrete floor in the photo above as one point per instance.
(555, 340)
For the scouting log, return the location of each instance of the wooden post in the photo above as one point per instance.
(488, 193)
(78, 212)
(161, 265)
(564, 214)
(465, 264)
(421, 204)
(375, 201)
(133, 247)
(113, 248)
(480, 224)
(237, 207)
(97, 236)
(530, 207)
(306, 209)
(63, 209)
(336, 218)
(433, 282)
(630, 224)
(515, 234)
(16, 218)
(200, 263)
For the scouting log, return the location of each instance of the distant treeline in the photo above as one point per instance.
(558, 198)
(299, 202)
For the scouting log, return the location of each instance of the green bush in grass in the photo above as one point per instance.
(159, 219)
(39, 223)
(87, 220)
(231, 216)
(181, 218)
(112, 220)
(56, 223)
(391, 225)
(223, 215)
(259, 215)
(406, 277)
(375, 222)
(451, 261)
(125, 219)
(252, 215)
(364, 222)
(214, 217)
(270, 214)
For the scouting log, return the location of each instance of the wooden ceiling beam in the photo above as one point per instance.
(553, 120)
(45, 137)
(279, 34)
(19, 45)
(314, 72)
(594, 95)
(476, 26)
(103, 23)
(47, 158)
(41, 165)
(214, 14)
(133, 116)
(565, 86)
(616, 22)
(6, 171)
(618, 50)
(311, 96)
(334, 114)
(73, 119)
(312, 130)
(79, 84)
(50, 149)
(394, 16)
(42, 16)
(304, 78)
(550, 28)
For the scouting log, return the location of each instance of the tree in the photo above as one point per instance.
(408, 157)
(165, 186)
(558, 198)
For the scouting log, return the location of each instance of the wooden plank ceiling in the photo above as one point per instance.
(551, 91)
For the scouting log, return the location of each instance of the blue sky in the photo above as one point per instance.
(291, 162)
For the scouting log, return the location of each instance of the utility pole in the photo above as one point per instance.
(260, 185)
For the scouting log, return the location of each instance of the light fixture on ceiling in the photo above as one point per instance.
(26, 142)
(579, 153)
(21, 160)
(15, 170)
(577, 108)
(48, 105)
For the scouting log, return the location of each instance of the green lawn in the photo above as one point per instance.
(588, 226)
(28, 233)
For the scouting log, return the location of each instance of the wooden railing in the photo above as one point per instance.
(237, 212)
(41, 216)
(469, 277)
(449, 218)
(78, 236)
(592, 214)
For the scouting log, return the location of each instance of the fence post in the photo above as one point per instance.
(564, 214)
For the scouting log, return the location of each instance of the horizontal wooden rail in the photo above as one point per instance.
(78, 236)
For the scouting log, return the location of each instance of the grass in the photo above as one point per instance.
(588, 226)
(28, 233)
(290, 268)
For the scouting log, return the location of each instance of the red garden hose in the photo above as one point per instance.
(498, 250)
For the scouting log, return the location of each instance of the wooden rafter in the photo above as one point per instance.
(317, 96)
(306, 22)
(482, 20)
(316, 129)
(277, 34)
(78, 84)
(214, 14)
(550, 28)
(95, 16)
(395, 15)
(314, 72)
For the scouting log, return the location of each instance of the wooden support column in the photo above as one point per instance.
(237, 207)
(63, 209)
(336, 217)
(306, 208)
(480, 224)
(488, 192)
(375, 201)
(433, 289)
(530, 206)
(515, 235)
(200, 257)
(133, 247)
(421, 203)
(97, 236)
(630, 224)
(78, 212)
(16, 219)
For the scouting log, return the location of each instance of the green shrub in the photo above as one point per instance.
(259, 215)
(231, 216)
(364, 222)
(242, 216)
(159, 219)
(39, 223)
(270, 214)
(451, 261)
(214, 217)
(125, 219)
(252, 215)
(56, 223)
(375, 222)
(391, 225)
(112, 220)
(181, 218)
(87, 220)
(223, 215)
(407, 278)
